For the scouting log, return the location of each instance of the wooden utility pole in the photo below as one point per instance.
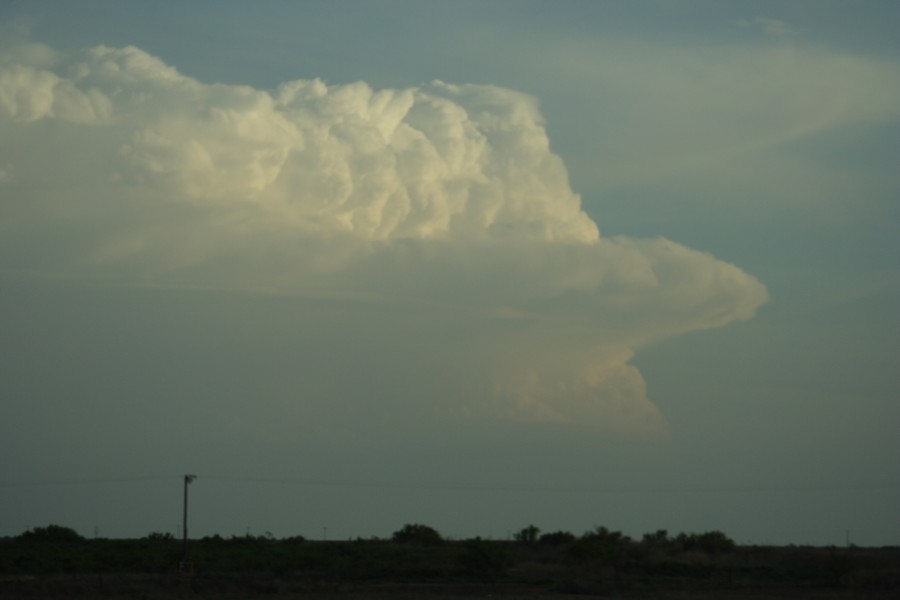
(184, 528)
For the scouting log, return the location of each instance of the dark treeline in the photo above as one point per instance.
(599, 561)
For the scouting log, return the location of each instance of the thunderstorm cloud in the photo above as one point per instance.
(432, 221)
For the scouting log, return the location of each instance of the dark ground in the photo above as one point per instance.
(57, 563)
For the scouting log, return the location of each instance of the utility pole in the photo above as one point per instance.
(184, 528)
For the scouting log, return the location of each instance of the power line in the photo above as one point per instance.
(462, 486)
(562, 488)
(83, 481)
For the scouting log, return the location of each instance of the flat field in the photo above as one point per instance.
(598, 566)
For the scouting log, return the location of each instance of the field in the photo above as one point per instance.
(599, 564)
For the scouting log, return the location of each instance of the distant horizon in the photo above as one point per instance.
(313, 533)
(510, 536)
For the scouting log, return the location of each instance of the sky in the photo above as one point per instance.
(477, 265)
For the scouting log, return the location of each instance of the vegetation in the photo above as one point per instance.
(50, 533)
(529, 535)
(417, 561)
(420, 535)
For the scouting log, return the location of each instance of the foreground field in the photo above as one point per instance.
(599, 564)
(162, 588)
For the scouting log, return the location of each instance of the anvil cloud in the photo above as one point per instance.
(436, 216)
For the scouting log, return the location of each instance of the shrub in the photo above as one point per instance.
(711, 542)
(657, 539)
(600, 543)
(528, 535)
(714, 542)
(557, 538)
(420, 535)
(51, 533)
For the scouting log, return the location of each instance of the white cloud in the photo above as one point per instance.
(28, 94)
(438, 212)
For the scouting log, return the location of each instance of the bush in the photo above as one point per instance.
(528, 535)
(657, 539)
(420, 535)
(557, 538)
(714, 542)
(600, 543)
(51, 533)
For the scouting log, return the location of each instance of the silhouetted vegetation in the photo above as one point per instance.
(557, 538)
(50, 533)
(416, 561)
(528, 535)
(421, 535)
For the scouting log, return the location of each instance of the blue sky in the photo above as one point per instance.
(630, 264)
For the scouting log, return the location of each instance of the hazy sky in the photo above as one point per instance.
(472, 264)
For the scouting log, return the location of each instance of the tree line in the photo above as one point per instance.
(599, 561)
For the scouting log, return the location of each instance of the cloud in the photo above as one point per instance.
(436, 217)
(771, 27)
(689, 119)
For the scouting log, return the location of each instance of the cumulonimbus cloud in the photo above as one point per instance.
(444, 199)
